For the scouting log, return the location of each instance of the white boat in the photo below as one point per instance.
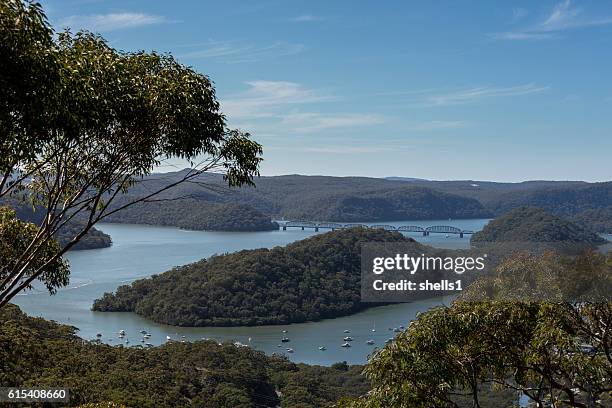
(289, 350)
(122, 332)
(285, 339)
(389, 340)
(348, 338)
(284, 331)
(143, 332)
(347, 331)
(146, 336)
(99, 335)
(346, 345)
(168, 338)
(322, 348)
(370, 342)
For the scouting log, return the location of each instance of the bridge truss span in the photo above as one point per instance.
(435, 229)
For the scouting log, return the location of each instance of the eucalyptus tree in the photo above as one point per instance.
(557, 354)
(81, 122)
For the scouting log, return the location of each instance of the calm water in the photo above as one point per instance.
(139, 251)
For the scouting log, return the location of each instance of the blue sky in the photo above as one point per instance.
(506, 91)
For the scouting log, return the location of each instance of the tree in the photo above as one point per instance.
(556, 353)
(81, 122)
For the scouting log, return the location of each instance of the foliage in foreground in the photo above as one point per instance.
(82, 122)
(555, 353)
(37, 352)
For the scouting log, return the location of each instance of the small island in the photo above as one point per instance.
(308, 280)
(534, 225)
(94, 239)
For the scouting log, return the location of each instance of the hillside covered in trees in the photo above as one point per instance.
(529, 224)
(39, 353)
(321, 198)
(195, 214)
(308, 280)
(358, 199)
(599, 219)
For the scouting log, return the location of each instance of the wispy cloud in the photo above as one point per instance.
(264, 98)
(111, 21)
(314, 122)
(472, 95)
(518, 13)
(306, 18)
(237, 52)
(345, 149)
(437, 125)
(282, 106)
(562, 17)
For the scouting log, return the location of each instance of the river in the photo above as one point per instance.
(139, 251)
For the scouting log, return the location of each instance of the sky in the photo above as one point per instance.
(445, 90)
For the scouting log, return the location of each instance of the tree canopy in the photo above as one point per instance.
(81, 123)
(39, 353)
(556, 353)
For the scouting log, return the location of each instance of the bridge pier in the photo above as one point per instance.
(316, 229)
(461, 235)
(425, 233)
(284, 228)
(302, 228)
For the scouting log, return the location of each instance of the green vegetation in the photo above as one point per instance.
(558, 354)
(94, 238)
(599, 219)
(15, 236)
(313, 279)
(196, 215)
(561, 201)
(528, 224)
(37, 352)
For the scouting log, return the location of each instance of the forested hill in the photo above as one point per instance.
(530, 224)
(562, 201)
(34, 351)
(320, 198)
(190, 213)
(308, 280)
(355, 199)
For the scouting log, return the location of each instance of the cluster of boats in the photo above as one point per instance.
(122, 337)
(347, 340)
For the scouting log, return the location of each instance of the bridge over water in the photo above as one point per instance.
(435, 229)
